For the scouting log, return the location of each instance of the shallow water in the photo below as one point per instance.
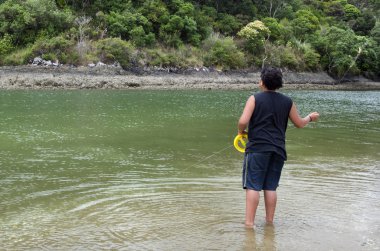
(155, 170)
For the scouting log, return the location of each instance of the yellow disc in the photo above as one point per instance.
(240, 142)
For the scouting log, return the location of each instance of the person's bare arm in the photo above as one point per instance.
(246, 115)
(300, 122)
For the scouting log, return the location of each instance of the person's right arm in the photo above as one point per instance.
(300, 122)
(246, 115)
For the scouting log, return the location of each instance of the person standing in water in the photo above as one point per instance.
(266, 115)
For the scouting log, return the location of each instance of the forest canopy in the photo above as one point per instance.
(341, 37)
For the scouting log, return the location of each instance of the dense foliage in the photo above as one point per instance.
(338, 36)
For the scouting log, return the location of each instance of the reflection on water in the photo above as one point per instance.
(155, 170)
(261, 238)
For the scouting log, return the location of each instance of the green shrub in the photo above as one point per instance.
(19, 57)
(183, 57)
(309, 58)
(288, 58)
(312, 59)
(140, 38)
(162, 59)
(49, 56)
(56, 48)
(272, 57)
(283, 56)
(6, 44)
(110, 50)
(223, 54)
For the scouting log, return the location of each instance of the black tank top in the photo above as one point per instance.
(267, 127)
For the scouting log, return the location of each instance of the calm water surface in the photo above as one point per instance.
(155, 170)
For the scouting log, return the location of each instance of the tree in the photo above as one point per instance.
(255, 33)
(156, 12)
(364, 24)
(82, 23)
(351, 12)
(367, 4)
(375, 33)
(304, 24)
(122, 24)
(190, 31)
(340, 50)
(170, 33)
(334, 8)
(204, 22)
(272, 7)
(247, 8)
(25, 21)
(369, 60)
(277, 30)
(227, 24)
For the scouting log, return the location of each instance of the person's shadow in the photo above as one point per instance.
(261, 239)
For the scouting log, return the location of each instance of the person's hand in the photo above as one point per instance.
(314, 116)
(243, 133)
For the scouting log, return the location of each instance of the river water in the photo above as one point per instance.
(156, 170)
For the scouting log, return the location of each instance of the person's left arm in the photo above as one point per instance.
(300, 122)
(246, 115)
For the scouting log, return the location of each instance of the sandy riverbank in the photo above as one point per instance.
(110, 77)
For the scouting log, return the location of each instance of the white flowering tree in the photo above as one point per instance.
(256, 35)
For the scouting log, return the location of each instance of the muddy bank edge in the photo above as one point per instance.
(110, 77)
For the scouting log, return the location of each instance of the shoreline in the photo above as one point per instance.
(31, 77)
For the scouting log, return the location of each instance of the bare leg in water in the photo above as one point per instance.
(270, 198)
(251, 202)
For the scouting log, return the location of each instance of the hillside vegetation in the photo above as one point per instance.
(341, 37)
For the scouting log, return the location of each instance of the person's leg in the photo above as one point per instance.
(251, 203)
(270, 198)
(270, 185)
(254, 169)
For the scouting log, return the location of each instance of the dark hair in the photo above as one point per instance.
(272, 78)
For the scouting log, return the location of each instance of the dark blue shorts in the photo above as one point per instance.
(262, 171)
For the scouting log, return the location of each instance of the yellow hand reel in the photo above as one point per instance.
(240, 142)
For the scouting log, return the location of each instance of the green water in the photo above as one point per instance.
(155, 170)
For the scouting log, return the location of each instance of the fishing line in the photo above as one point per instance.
(212, 155)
